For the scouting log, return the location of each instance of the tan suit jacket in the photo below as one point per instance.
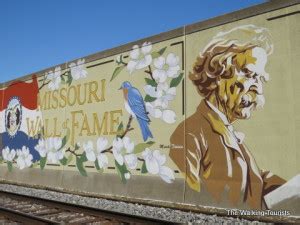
(211, 158)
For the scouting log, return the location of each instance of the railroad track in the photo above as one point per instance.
(20, 209)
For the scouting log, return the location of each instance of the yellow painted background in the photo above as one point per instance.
(114, 101)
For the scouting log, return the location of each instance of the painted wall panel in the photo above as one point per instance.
(270, 133)
(93, 104)
(173, 121)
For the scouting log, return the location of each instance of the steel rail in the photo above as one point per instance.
(24, 218)
(110, 215)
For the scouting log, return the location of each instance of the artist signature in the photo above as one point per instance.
(171, 146)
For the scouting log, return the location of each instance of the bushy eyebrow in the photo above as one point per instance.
(247, 72)
(251, 74)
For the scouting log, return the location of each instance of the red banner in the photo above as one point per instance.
(26, 92)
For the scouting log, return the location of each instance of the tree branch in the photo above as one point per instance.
(149, 71)
(73, 152)
(128, 129)
(44, 84)
(140, 159)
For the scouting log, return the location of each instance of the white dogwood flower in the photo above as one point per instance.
(166, 67)
(140, 57)
(123, 152)
(54, 157)
(88, 147)
(97, 154)
(167, 115)
(117, 150)
(50, 148)
(41, 148)
(101, 157)
(159, 107)
(154, 112)
(24, 158)
(78, 70)
(54, 78)
(155, 165)
(8, 154)
(163, 94)
(55, 153)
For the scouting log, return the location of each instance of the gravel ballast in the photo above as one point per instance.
(176, 216)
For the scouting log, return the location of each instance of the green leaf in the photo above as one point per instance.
(120, 129)
(176, 81)
(80, 167)
(116, 72)
(144, 168)
(83, 157)
(63, 79)
(151, 82)
(9, 166)
(161, 51)
(158, 53)
(119, 59)
(43, 161)
(148, 98)
(141, 147)
(121, 171)
(98, 167)
(70, 79)
(65, 139)
(64, 161)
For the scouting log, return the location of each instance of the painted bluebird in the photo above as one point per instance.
(135, 106)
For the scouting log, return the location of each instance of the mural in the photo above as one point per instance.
(134, 117)
(229, 75)
(162, 76)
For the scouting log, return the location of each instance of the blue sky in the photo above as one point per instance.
(36, 34)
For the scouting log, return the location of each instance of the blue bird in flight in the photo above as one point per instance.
(134, 104)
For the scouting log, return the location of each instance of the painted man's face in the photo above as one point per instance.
(243, 93)
(13, 119)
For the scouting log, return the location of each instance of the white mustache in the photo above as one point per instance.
(259, 100)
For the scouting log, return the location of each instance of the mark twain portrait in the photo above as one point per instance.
(229, 75)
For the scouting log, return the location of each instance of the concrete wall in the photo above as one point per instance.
(79, 137)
